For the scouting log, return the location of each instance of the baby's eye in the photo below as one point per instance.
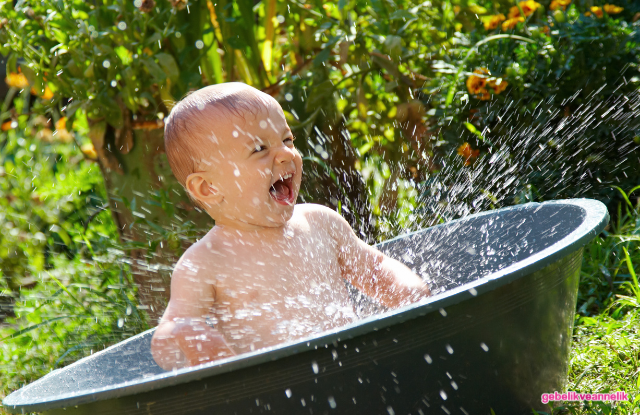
(288, 140)
(259, 148)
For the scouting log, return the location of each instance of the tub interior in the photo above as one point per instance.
(463, 251)
(447, 256)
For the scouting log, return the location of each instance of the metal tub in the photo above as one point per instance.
(495, 336)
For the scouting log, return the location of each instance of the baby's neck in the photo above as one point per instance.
(248, 230)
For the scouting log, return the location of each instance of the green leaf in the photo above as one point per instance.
(322, 57)
(111, 110)
(124, 54)
(169, 66)
(318, 94)
(401, 14)
(154, 70)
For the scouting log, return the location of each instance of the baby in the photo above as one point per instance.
(269, 271)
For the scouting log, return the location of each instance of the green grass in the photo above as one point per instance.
(605, 355)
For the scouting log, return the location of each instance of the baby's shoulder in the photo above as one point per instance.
(322, 217)
(199, 260)
(314, 212)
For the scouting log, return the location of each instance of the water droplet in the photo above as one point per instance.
(443, 395)
(391, 411)
(473, 291)
(280, 18)
(178, 35)
(236, 172)
(114, 83)
(288, 97)
(122, 26)
(454, 385)
(199, 44)
(484, 347)
(314, 367)
(449, 349)
(106, 63)
(120, 322)
(288, 233)
(428, 358)
(235, 133)
(332, 402)
(288, 393)
(263, 124)
(443, 312)
(303, 402)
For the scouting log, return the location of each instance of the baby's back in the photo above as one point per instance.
(273, 287)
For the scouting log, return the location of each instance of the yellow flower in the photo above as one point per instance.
(557, 4)
(16, 80)
(595, 10)
(492, 22)
(511, 23)
(612, 9)
(476, 84)
(528, 7)
(89, 150)
(467, 153)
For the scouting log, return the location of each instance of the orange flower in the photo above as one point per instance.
(511, 23)
(89, 150)
(468, 153)
(545, 30)
(557, 4)
(16, 80)
(476, 84)
(528, 7)
(6, 126)
(492, 22)
(498, 85)
(612, 9)
(61, 124)
(61, 132)
(595, 10)
(46, 95)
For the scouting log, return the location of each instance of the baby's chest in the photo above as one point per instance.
(290, 267)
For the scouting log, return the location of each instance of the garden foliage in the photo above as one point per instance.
(407, 113)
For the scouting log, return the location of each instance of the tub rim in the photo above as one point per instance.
(595, 220)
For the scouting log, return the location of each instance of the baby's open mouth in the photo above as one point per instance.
(282, 190)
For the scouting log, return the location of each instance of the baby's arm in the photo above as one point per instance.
(183, 337)
(384, 279)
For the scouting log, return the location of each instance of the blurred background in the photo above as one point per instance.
(407, 114)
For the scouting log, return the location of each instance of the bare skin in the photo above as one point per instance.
(270, 271)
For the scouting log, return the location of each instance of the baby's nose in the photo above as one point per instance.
(284, 154)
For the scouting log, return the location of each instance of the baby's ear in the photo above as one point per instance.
(200, 189)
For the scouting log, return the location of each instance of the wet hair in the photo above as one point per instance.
(187, 136)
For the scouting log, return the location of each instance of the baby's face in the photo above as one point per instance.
(256, 168)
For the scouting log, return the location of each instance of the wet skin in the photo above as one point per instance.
(268, 272)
